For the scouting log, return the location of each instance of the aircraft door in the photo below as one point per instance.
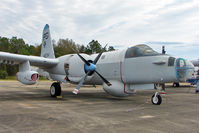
(66, 65)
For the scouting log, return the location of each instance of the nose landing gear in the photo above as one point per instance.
(156, 99)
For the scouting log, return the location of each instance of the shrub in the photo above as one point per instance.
(3, 74)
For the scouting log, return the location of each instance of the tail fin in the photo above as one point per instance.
(47, 50)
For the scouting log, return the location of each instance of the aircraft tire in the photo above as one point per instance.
(175, 84)
(157, 100)
(55, 89)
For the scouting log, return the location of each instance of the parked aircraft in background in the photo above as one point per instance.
(120, 72)
(192, 80)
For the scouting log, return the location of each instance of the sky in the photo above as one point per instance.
(120, 23)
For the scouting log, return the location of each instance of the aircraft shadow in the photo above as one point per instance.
(39, 95)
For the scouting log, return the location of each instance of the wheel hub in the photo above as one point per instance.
(52, 90)
(155, 99)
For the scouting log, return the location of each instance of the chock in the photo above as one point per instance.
(59, 97)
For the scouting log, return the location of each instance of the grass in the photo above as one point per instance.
(10, 78)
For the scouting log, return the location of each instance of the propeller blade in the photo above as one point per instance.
(106, 81)
(99, 55)
(76, 90)
(85, 61)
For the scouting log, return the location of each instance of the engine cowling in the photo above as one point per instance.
(28, 77)
(118, 89)
(76, 69)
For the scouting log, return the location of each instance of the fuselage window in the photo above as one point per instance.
(182, 63)
(171, 61)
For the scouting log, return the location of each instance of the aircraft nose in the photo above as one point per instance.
(184, 69)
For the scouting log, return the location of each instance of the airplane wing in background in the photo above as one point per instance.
(195, 62)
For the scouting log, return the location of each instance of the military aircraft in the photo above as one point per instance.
(121, 72)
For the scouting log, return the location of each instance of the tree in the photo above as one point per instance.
(37, 50)
(64, 46)
(93, 47)
(18, 46)
(4, 44)
(3, 74)
(111, 48)
(81, 48)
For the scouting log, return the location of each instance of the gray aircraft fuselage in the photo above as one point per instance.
(119, 65)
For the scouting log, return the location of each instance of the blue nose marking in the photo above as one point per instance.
(92, 67)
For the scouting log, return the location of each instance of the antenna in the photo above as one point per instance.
(163, 50)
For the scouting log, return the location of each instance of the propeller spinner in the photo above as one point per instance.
(90, 68)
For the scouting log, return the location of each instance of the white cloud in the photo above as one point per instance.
(117, 22)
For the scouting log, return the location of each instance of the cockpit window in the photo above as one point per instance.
(140, 50)
(171, 61)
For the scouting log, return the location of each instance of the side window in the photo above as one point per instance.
(182, 63)
(171, 61)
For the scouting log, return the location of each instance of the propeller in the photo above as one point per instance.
(90, 67)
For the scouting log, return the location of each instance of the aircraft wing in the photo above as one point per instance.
(9, 58)
(195, 62)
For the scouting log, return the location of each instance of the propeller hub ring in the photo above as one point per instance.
(92, 67)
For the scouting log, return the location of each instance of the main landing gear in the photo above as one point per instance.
(55, 89)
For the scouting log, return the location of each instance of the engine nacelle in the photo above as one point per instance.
(75, 68)
(76, 65)
(28, 77)
(118, 89)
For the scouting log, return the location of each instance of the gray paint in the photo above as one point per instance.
(125, 74)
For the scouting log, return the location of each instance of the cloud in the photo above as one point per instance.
(177, 49)
(118, 22)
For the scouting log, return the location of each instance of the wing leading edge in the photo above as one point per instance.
(9, 58)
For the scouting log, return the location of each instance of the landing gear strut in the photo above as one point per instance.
(159, 86)
(55, 89)
(156, 99)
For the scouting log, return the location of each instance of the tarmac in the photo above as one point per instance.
(30, 109)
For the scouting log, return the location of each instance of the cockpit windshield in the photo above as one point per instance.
(140, 50)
